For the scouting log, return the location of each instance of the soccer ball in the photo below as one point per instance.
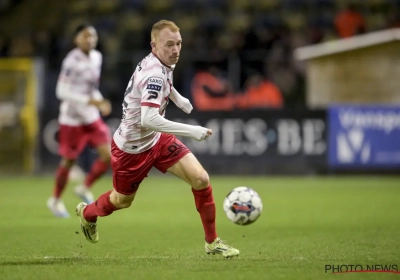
(243, 206)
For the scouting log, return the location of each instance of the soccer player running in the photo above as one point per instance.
(79, 117)
(146, 139)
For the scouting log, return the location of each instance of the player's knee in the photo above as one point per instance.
(67, 163)
(104, 153)
(201, 180)
(105, 157)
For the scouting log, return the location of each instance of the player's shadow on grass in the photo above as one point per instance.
(40, 262)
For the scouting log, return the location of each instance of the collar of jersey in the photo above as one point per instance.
(172, 67)
(87, 56)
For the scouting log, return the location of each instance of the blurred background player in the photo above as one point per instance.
(79, 117)
(82, 166)
(146, 139)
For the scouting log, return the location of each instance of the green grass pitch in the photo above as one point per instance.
(307, 223)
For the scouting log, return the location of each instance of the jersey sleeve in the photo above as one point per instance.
(66, 84)
(69, 71)
(151, 91)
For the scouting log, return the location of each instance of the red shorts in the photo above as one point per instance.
(129, 170)
(73, 139)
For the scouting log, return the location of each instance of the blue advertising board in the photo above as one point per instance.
(364, 136)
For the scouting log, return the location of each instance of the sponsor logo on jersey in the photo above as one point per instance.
(154, 87)
(154, 84)
(156, 81)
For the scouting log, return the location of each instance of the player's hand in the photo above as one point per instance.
(207, 134)
(201, 133)
(105, 107)
(186, 106)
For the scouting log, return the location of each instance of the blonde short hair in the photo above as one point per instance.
(158, 26)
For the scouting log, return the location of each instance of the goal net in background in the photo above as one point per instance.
(20, 86)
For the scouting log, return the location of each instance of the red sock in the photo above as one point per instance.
(61, 181)
(99, 167)
(206, 207)
(100, 208)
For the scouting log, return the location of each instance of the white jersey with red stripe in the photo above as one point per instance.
(150, 85)
(80, 74)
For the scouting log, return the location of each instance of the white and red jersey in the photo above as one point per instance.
(80, 75)
(150, 85)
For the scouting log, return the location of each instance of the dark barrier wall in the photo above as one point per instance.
(244, 142)
(261, 142)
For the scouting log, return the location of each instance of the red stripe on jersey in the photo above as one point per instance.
(150, 104)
